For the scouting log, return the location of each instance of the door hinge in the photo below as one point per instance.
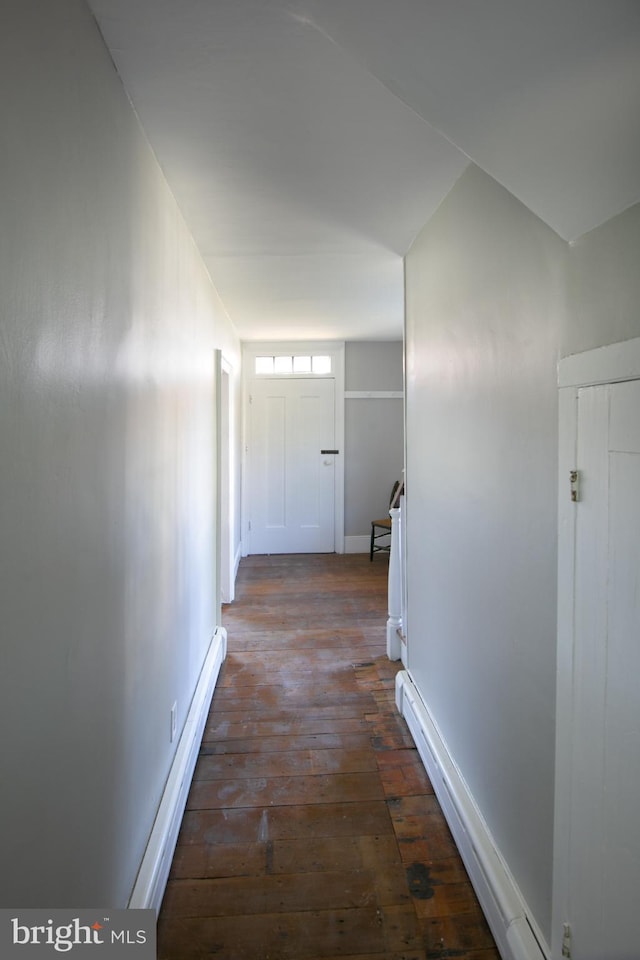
(250, 399)
(574, 482)
(566, 940)
(249, 524)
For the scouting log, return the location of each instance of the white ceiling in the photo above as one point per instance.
(308, 141)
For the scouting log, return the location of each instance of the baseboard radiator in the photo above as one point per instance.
(502, 903)
(154, 870)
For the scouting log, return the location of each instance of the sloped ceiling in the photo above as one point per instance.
(308, 141)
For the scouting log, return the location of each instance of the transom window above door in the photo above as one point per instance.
(317, 364)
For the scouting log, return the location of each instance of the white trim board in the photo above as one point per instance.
(610, 364)
(567, 459)
(374, 395)
(152, 876)
(516, 936)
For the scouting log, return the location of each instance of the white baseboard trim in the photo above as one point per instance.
(152, 876)
(517, 936)
(357, 544)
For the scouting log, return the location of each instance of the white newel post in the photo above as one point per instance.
(394, 623)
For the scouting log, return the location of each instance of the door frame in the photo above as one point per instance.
(333, 348)
(614, 363)
(227, 504)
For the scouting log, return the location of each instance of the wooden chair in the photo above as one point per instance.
(382, 528)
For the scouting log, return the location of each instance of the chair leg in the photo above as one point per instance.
(373, 536)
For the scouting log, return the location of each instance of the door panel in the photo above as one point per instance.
(273, 487)
(589, 666)
(621, 828)
(291, 482)
(604, 868)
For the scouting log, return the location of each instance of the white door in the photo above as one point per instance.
(604, 822)
(291, 466)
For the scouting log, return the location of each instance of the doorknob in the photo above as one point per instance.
(327, 463)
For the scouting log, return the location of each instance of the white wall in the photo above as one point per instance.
(494, 298)
(108, 327)
(485, 301)
(374, 432)
(604, 285)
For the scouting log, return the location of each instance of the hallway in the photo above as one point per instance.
(311, 829)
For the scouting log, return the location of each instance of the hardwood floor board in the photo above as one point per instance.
(295, 763)
(355, 706)
(379, 851)
(404, 955)
(236, 729)
(367, 671)
(272, 671)
(421, 828)
(309, 619)
(301, 855)
(427, 849)
(296, 694)
(390, 885)
(407, 757)
(323, 855)
(318, 741)
(365, 818)
(305, 661)
(291, 674)
(424, 806)
(216, 860)
(362, 642)
(311, 830)
(286, 696)
(376, 685)
(317, 855)
(284, 791)
(388, 686)
(253, 824)
(218, 827)
(326, 855)
(464, 935)
(401, 928)
(295, 936)
(447, 870)
(288, 714)
(387, 732)
(342, 594)
(375, 626)
(446, 900)
(423, 836)
(292, 681)
(282, 893)
(404, 781)
(354, 638)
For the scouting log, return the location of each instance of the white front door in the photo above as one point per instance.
(604, 777)
(291, 465)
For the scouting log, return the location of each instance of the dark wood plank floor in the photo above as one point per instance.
(311, 829)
